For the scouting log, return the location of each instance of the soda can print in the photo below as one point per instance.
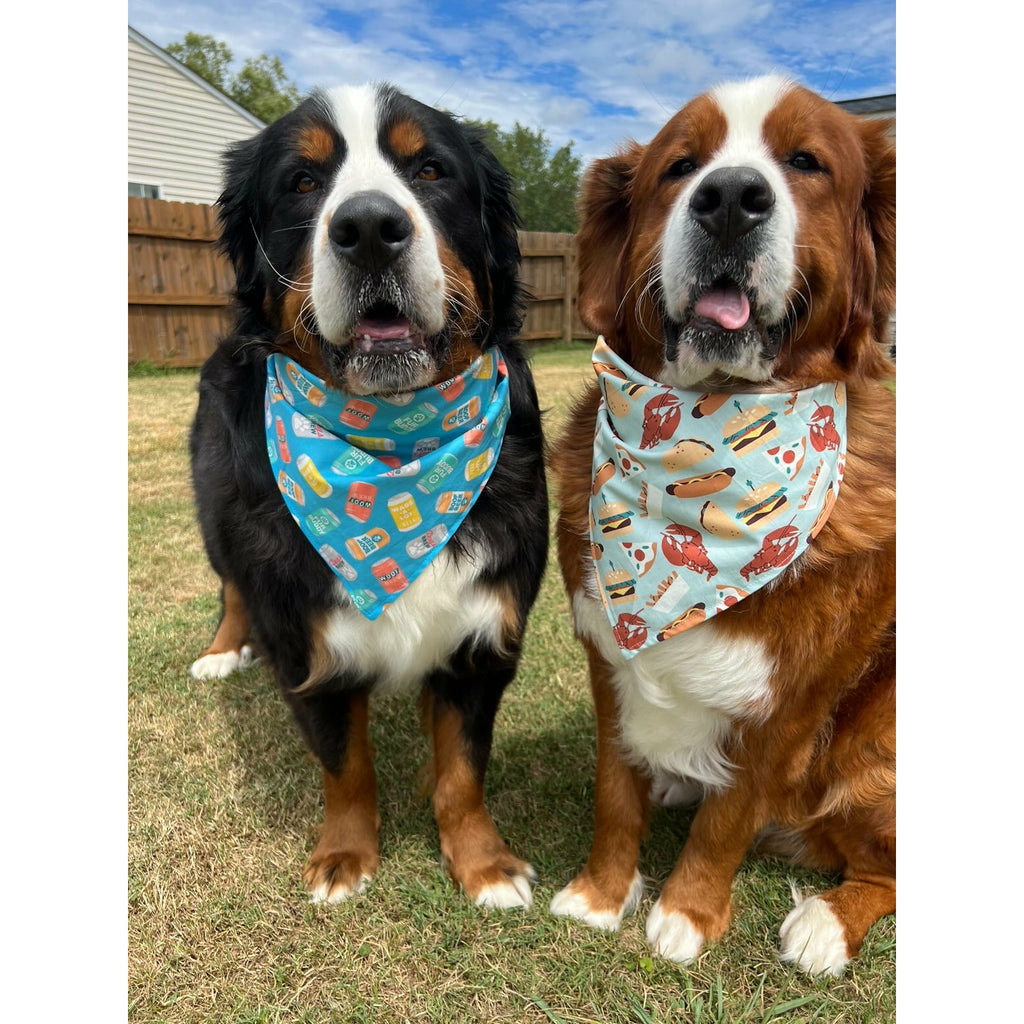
(357, 413)
(446, 465)
(274, 389)
(433, 538)
(307, 467)
(282, 440)
(360, 499)
(403, 398)
(336, 562)
(461, 415)
(304, 385)
(290, 488)
(413, 419)
(454, 502)
(272, 451)
(425, 445)
(404, 511)
(485, 371)
(501, 419)
(480, 464)
(475, 436)
(268, 416)
(363, 598)
(322, 521)
(351, 462)
(303, 426)
(366, 543)
(405, 469)
(451, 389)
(373, 444)
(389, 575)
(393, 462)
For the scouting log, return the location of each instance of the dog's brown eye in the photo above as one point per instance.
(681, 168)
(804, 162)
(305, 183)
(430, 171)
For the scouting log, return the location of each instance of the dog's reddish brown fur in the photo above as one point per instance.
(818, 772)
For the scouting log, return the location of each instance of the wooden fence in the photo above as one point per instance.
(179, 286)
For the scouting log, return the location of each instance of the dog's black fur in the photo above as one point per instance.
(250, 537)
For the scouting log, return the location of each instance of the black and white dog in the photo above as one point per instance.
(374, 245)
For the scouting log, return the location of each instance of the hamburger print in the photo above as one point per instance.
(761, 505)
(749, 429)
(614, 519)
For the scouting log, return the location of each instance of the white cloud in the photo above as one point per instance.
(554, 64)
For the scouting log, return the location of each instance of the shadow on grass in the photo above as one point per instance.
(540, 780)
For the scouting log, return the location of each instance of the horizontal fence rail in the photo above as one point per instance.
(179, 285)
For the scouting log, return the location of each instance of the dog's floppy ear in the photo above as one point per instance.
(601, 241)
(500, 224)
(874, 263)
(239, 218)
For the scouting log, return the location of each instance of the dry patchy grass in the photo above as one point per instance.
(225, 805)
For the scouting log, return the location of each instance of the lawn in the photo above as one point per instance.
(225, 805)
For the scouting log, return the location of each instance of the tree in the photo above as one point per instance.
(207, 57)
(261, 86)
(545, 182)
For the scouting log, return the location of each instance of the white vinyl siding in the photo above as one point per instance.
(178, 127)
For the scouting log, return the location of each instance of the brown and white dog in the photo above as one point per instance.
(779, 712)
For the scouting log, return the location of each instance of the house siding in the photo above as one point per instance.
(177, 128)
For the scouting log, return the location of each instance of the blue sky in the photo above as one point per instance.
(595, 71)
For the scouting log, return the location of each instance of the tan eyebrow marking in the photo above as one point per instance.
(406, 138)
(316, 144)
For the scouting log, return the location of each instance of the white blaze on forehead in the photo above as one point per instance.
(356, 112)
(745, 106)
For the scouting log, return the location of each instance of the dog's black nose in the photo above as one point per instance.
(370, 230)
(731, 201)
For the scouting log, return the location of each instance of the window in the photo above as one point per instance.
(136, 188)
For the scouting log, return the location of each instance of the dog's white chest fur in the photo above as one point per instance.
(441, 609)
(678, 699)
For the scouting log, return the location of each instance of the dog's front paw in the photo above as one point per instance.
(335, 875)
(812, 937)
(219, 666)
(673, 935)
(503, 884)
(582, 900)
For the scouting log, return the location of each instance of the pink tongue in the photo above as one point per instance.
(726, 306)
(383, 330)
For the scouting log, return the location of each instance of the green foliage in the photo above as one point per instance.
(207, 57)
(545, 182)
(262, 87)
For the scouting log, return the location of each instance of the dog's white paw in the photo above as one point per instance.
(515, 891)
(812, 937)
(573, 902)
(338, 892)
(219, 666)
(673, 935)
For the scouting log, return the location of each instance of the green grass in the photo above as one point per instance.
(225, 805)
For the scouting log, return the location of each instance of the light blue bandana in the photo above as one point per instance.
(699, 499)
(380, 485)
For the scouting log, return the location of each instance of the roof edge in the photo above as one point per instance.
(158, 51)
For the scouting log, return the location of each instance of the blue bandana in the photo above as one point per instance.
(380, 485)
(699, 499)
